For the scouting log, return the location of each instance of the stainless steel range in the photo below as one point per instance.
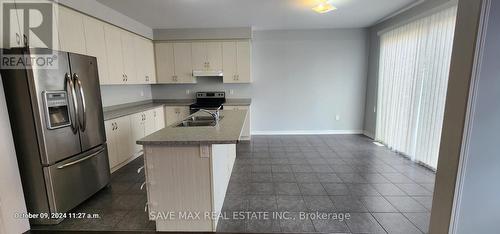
(208, 101)
(58, 128)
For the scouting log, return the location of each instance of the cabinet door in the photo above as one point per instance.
(71, 32)
(123, 139)
(159, 116)
(114, 54)
(229, 65)
(214, 56)
(149, 61)
(129, 69)
(182, 63)
(199, 55)
(243, 58)
(184, 112)
(15, 33)
(175, 114)
(138, 130)
(164, 54)
(149, 122)
(109, 127)
(96, 46)
(140, 60)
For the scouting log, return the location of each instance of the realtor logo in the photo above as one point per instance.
(27, 23)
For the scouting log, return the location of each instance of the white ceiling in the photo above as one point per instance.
(258, 14)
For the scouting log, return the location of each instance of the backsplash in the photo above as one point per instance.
(121, 94)
(203, 84)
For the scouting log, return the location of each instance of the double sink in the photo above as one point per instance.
(199, 121)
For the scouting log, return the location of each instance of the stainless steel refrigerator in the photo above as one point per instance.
(58, 128)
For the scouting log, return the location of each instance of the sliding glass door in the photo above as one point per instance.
(413, 76)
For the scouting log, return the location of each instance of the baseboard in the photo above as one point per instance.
(308, 132)
(369, 134)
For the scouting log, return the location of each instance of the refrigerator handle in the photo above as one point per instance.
(83, 120)
(81, 159)
(71, 92)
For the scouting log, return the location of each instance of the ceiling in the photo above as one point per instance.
(258, 14)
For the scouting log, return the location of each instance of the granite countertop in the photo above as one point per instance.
(228, 131)
(113, 112)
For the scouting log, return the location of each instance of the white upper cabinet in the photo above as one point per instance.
(71, 31)
(182, 63)
(129, 57)
(114, 55)
(144, 55)
(237, 62)
(207, 55)
(96, 46)
(174, 63)
(164, 58)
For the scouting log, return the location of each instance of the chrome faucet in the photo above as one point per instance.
(215, 114)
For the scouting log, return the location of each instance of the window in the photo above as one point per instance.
(413, 77)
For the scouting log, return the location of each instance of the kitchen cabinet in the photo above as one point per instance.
(173, 63)
(122, 134)
(149, 122)
(129, 57)
(118, 135)
(71, 31)
(159, 117)
(138, 125)
(236, 61)
(175, 114)
(144, 60)
(114, 53)
(95, 44)
(207, 55)
(245, 132)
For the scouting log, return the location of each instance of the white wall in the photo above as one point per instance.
(302, 80)
(479, 203)
(11, 192)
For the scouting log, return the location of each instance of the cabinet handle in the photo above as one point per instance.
(25, 38)
(116, 126)
(18, 39)
(140, 169)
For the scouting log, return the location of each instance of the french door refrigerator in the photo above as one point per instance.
(58, 128)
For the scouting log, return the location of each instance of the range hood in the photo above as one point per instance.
(207, 73)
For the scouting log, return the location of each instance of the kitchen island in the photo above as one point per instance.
(188, 170)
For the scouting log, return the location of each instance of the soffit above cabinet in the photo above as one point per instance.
(202, 34)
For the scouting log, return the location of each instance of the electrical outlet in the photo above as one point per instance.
(188, 91)
(337, 117)
(231, 91)
(142, 93)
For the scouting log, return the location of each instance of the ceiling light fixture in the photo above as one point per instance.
(324, 7)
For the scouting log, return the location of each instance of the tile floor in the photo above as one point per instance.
(382, 191)
(331, 174)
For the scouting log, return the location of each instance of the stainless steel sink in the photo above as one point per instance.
(198, 121)
(187, 123)
(202, 118)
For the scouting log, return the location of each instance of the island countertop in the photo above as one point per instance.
(227, 131)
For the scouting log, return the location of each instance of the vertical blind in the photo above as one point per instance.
(413, 77)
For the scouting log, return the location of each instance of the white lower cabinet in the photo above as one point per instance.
(174, 114)
(118, 137)
(138, 121)
(122, 134)
(245, 133)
